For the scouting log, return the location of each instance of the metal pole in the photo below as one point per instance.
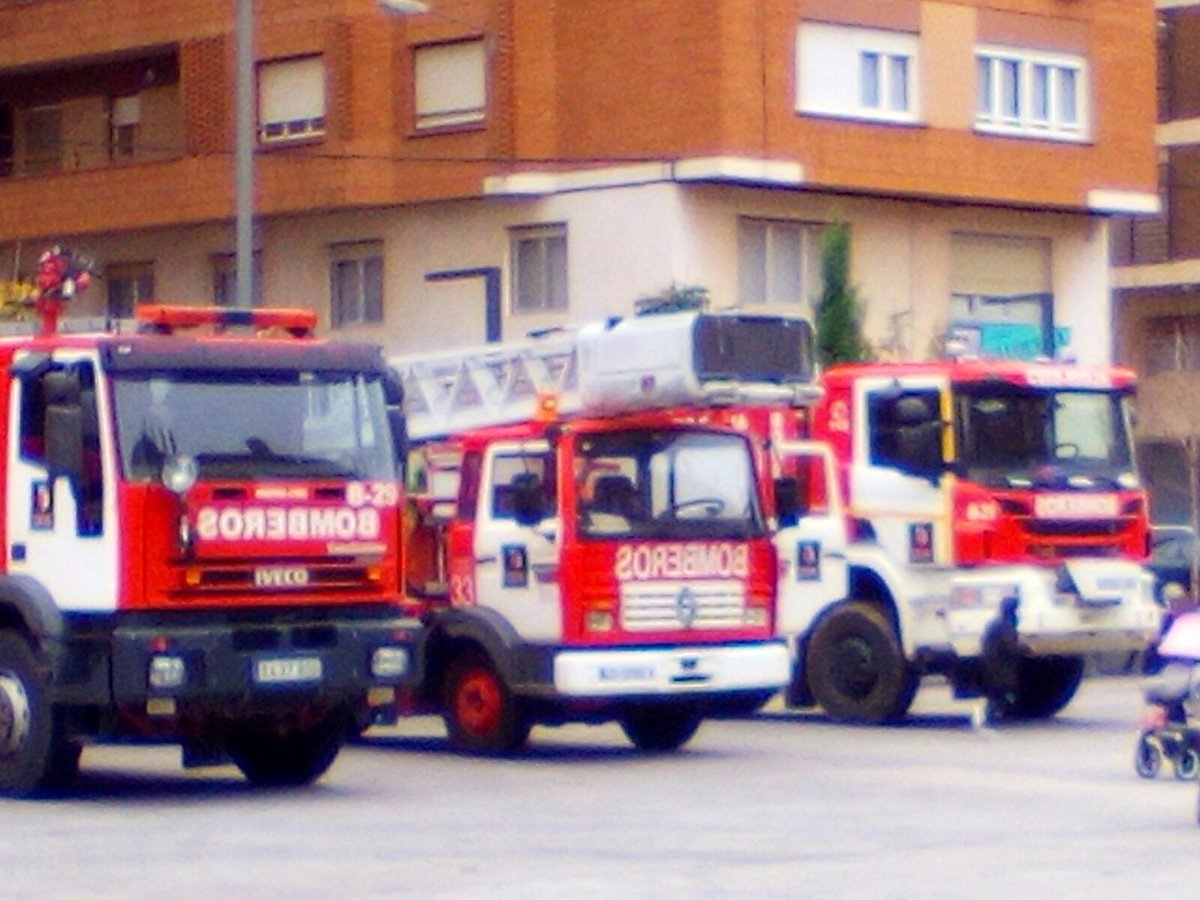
(245, 140)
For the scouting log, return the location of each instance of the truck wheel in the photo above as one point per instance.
(481, 713)
(661, 728)
(291, 759)
(1046, 684)
(855, 667)
(35, 754)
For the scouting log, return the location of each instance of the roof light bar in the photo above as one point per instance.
(162, 319)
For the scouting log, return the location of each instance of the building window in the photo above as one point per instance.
(539, 265)
(356, 284)
(1031, 94)
(224, 279)
(1172, 344)
(43, 139)
(128, 285)
(860, 73)
(291, 99)
(125, 115)
(451, 84)
(778, 261)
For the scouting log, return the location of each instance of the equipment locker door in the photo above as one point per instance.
(516, 561)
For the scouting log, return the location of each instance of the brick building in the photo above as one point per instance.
(496, 166)
(1157, 278)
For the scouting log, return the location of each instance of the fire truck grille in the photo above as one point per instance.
(692, 604)
(1072, 528)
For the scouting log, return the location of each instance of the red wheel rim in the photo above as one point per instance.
(479, 703)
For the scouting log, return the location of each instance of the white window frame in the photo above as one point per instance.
(1031, 93)
(365, 307)
(767, 249)
(450, 84)
(858, 73)
(539, 268)
(291, 99)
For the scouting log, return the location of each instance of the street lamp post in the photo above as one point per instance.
(244, 141)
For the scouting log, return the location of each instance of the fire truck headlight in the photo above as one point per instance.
(598, 621)
(166, 672)
(179, 473)
(756, 616)
(389, 662)
(1128, 480)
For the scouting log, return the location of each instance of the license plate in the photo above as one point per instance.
(287, 670)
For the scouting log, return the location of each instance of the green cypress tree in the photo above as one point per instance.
(839, 332)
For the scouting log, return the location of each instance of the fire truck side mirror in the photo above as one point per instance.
(920, 450)
(529, 500)
(787, 501)
(918, 437)
(63, 424)
(393, 393)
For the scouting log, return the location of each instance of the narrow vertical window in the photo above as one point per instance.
(356, 284)
(539, 269)
(869, 80)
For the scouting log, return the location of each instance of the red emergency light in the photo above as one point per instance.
(162, 319)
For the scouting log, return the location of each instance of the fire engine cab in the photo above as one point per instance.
(199, 536)
(593, 537)
(991, 505)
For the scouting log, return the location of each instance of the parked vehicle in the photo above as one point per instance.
(200, 537)
(998, 535)
(611, 552)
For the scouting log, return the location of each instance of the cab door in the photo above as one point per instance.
(60, 514)
(899, 475)
(810, 540)
(516, 540)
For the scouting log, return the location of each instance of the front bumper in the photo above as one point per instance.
(267, 666)
(1081, 608)
(671, 671)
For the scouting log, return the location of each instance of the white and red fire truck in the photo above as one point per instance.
(983, 497)
(200, 542)
(606, 555)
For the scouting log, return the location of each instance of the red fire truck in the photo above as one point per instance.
(607, 555)
(200, 538)
(997, 534)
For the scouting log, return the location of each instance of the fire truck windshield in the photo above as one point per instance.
(675, 484)
(253, 424)
(1021, 437)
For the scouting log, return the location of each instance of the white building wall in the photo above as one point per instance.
(624, 243)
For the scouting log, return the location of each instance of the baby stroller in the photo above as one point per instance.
(1170, 725)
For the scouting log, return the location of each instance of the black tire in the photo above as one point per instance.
(35, 754)
(1046, 685)
(1187, 764)
(661, 728)
(287, 759)
(482, 715)
(1147, 757)
(855, 667)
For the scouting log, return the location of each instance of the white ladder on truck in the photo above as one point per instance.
(456, 390)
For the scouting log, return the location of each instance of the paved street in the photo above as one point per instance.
(781, 805)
